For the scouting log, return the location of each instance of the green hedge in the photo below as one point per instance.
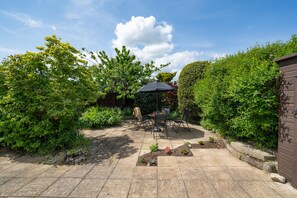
(187, 79)
(239, 94)
(99, 117)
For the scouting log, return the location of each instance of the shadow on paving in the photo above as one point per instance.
(102, 150)
(184, 133)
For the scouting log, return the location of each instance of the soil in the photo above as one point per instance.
(207, 144)
(151, 159)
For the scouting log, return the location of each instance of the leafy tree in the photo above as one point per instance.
(189, 75)
(165, 76)
(122, 74)
(41, 95)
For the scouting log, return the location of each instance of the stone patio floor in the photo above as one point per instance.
(209, 173)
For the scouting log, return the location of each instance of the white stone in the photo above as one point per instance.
(277, 178)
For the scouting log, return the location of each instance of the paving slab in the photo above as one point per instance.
(62, 187)
(167, 161)
(230, 160)
(5, 160)
(248, 174)
(145, 172)
(15, 170)
(193, 174)
(88, 188)
(4, 179)
(229, 189)
(143, 188)
(11, 186)
(55, 171)
(35, 171)
(169, 173)
(3, 167)
(285, 190)
(217, 173)
(100, 172)
(198, 188)
(122, 173)
(127, 162)
(208, 160)
(171, 188)
(187, 162)
(115, 188)
(258, 189)
(79, 171)
(35, 187)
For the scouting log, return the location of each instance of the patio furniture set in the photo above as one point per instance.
(159, 121)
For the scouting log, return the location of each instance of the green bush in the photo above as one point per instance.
(40, 94)
(146, 102)
(187, 79)
(127, 111)
(99, 117)
(238, 95)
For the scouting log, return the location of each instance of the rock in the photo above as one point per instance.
(252, 151)
(60, 158)
(57, 159)
(277, 178)
(270, 167)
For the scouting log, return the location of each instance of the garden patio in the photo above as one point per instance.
(209, 173)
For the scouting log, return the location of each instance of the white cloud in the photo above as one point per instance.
(141, 31)
(178, 60)
(24, 18)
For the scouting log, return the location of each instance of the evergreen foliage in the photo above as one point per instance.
(187, 79)
(238, 95)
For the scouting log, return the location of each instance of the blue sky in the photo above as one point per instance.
(176, 31)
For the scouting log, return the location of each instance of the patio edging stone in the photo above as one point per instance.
(255, 157)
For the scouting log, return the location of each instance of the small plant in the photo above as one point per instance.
(201, 143)
(168, 150)
(211, 139)
(154, 147)
(185, 152)
(152, 163)
(143, 161)
(188, 144)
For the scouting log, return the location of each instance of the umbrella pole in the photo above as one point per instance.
(157, 107)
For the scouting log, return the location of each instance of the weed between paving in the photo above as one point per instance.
(151, 159)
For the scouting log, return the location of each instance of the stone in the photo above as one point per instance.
(270, 167)
(252, 161)
(277, 178)
(253, 152)
(57, 159)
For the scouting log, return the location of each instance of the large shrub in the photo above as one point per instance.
(99, 117)
(239, 94)
(187, 78)
(146, 102)
(41, 94)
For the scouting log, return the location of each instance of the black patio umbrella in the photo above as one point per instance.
(156, 87)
